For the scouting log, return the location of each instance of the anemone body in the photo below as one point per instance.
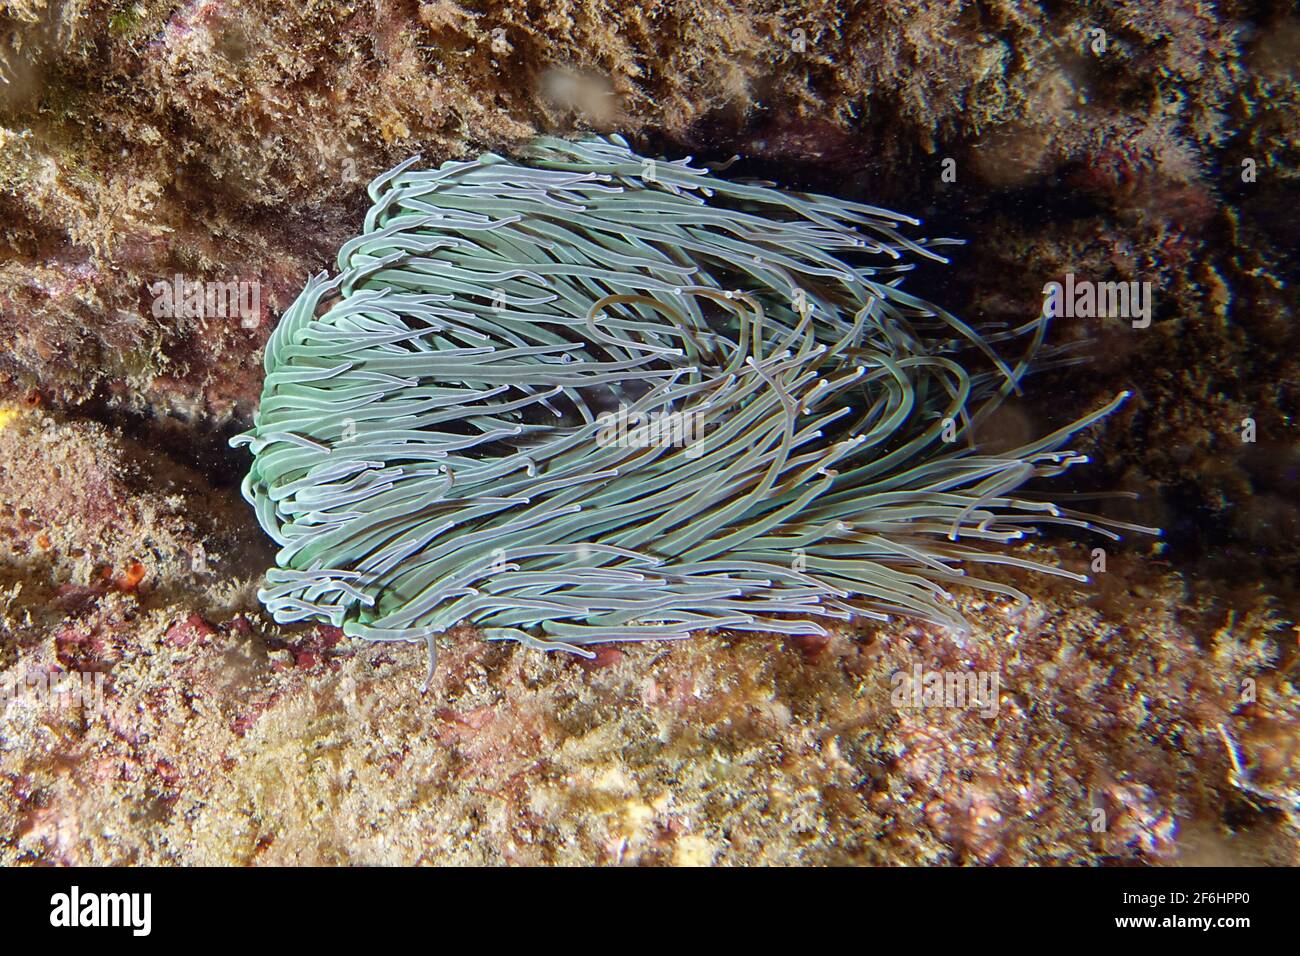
(429, 452)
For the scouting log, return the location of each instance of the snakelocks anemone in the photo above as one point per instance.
(585, 396)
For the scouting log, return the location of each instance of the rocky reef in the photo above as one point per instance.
(1150, 716)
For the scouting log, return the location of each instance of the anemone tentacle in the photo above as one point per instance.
(429, 452)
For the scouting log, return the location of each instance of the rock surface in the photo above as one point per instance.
(221, 141)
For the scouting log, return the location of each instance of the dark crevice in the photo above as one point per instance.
(202, 447)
